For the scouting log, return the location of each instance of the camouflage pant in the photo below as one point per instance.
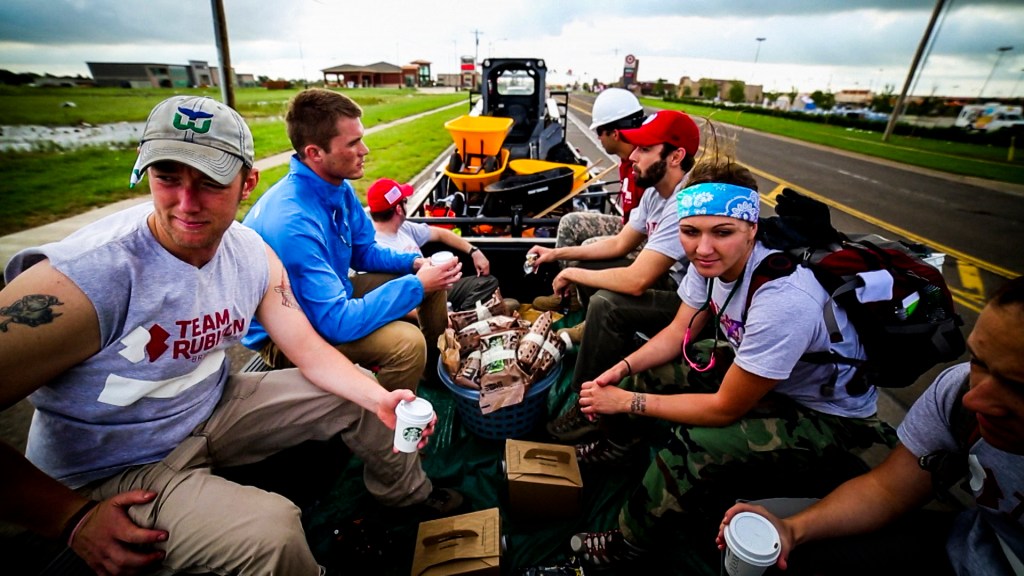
(779, 449)
(581, 228)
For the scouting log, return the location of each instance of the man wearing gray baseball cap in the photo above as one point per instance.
(118, 334)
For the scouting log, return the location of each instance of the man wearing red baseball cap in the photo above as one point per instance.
(628, 296)
(386, 200)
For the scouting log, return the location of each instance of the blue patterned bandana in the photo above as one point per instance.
(717, 199)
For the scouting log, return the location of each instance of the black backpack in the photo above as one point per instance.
(904, 336)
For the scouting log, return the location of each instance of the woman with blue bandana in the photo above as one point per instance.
(773, 426)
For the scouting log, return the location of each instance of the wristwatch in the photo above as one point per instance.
(473, 249)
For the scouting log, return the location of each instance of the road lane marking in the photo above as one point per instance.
(988, 266)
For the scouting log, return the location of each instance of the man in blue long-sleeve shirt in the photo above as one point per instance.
(314, 221)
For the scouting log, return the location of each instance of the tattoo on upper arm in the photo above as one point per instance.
(285, 290)
(638, 404)
(32, 310)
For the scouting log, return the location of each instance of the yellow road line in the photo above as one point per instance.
(968, 300)
(993, 268)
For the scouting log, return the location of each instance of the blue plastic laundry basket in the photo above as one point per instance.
(508, 422)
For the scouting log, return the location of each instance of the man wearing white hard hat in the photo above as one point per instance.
(615, 109)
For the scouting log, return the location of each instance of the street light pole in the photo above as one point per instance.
(758, 52)
(1002, 50)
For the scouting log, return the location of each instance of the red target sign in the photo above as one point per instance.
(630, 60)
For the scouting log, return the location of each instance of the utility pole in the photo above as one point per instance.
(476, 51)
(220, 29)
(913, 71)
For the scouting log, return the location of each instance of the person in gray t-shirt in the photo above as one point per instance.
(987, 539)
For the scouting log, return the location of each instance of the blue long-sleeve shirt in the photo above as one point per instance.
(319, 231)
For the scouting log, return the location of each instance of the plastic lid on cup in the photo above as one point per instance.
(419, 410)
(753, 538)
(441, 257)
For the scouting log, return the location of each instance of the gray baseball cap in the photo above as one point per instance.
(197, 131)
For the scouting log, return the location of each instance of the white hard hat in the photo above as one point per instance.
(614, 104)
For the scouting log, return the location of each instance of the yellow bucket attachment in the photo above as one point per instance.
(481, 135)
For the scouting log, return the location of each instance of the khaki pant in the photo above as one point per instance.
(395, 351)
(218, 526)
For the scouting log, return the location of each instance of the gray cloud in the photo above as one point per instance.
(298, 37)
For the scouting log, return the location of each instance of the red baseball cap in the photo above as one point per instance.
(666, 127)
(385, 193)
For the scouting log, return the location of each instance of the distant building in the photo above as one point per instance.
(690, 88)
(246, 80)
(152, 75)
(854, 97)
(651, 88)
(63, 81)
(200, 73)
(379, 75)
(422, 73)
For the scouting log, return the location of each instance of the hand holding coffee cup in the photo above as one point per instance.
(412, 419)
(752, 544)
(441, 258)
(444, 270)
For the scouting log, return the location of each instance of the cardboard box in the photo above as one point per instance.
(543, 479)
(464, 544)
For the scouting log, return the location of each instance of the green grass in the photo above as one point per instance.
(399, 153)
(955, 157)
(38, 188)
(43, 106)
(41, 187)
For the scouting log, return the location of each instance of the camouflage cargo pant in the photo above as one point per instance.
(581, 228)
(779, 449)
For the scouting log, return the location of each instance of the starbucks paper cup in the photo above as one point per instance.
(752, 544)
(413, 417)
(441, 258)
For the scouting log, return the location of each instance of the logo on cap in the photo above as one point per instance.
(393, 195)
(193, 117)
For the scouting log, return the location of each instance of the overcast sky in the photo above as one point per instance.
(808, 44)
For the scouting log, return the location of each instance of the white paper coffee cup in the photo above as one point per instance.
(412, 418)
(752, 544)
(442, 257)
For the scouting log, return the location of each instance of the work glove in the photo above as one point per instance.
(808, 218)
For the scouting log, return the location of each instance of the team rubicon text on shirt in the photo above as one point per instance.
(190, 340)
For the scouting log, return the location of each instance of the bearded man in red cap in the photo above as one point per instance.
(627, 296)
